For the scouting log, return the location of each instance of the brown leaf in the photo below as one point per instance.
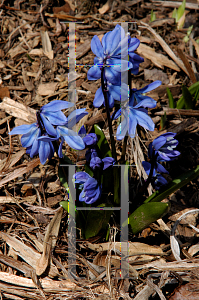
(46, 89)
(49, 242)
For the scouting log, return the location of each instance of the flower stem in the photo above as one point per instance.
(108, 115)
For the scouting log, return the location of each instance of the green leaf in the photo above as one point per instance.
(187, 98)
(192, 89)
(96, 220)
(189, 30)
(146, 214)
(174, 186)
(171, 100)
(163, 121)
(153, 16)
(102, 142)
(174, 14)
(180, 11)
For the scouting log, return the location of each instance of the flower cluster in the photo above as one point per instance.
(110, 62)
(91, 186)
(160, 150)
(51, 125)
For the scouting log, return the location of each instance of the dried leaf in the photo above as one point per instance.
(17, 109)
(26, 253)
(46, 44)
(105, 8)
(46, 89)
(49, 242)
(158, 59)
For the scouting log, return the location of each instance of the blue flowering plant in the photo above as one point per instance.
(97, 182)
(52, 126)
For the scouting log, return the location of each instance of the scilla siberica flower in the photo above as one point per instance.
(164, 146)
(134, 112)
(108, 55)
(92, 188)
(50, 120)
(157, 179)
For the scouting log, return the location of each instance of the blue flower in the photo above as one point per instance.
(97, 162)
(157, 179)
(165, 146)
(109, 55)
(68, 135)
(30, 140)
(114, 92)
(51, 114)
(137, 95)
(134, 115)
(91, 189)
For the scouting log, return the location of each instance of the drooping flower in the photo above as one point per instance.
(30, 140)
(68, 135)
(91, 188)
(51, 114)
(165, 146)
(157, 179)
(98, 163)
(134, 115)
(37, 138)
(108, 55)
(114, 92)
(137, 95)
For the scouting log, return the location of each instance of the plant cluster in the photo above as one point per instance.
(114, 64)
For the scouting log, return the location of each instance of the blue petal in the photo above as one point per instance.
(150, 87)
(113, 76)
(75, 116)
(111, 40)
(48, 126)
(28, 138)
(99, 98)
(71, 138)
(82, 131)
(108, 161)
(35, 148)
(81, 177)
(45, 151)
(133, 45)
(159, 142)
(144, 120)
(161, 169)
(60, 154)
(96, 46)
(22, 129)
(94, 73)
(55, 118)
(56, 105)
(147, 102)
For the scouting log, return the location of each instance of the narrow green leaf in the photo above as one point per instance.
(187, 98)
(180, 10)
(171, 100)
(146, 214)
(102, 142)
(192, 89)
(153, 16)
(174, 14)
(174, 186)
(163, 121)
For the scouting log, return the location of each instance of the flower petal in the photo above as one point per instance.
(23, 129)
(56, 105)
(94, 73)
(96, 46)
